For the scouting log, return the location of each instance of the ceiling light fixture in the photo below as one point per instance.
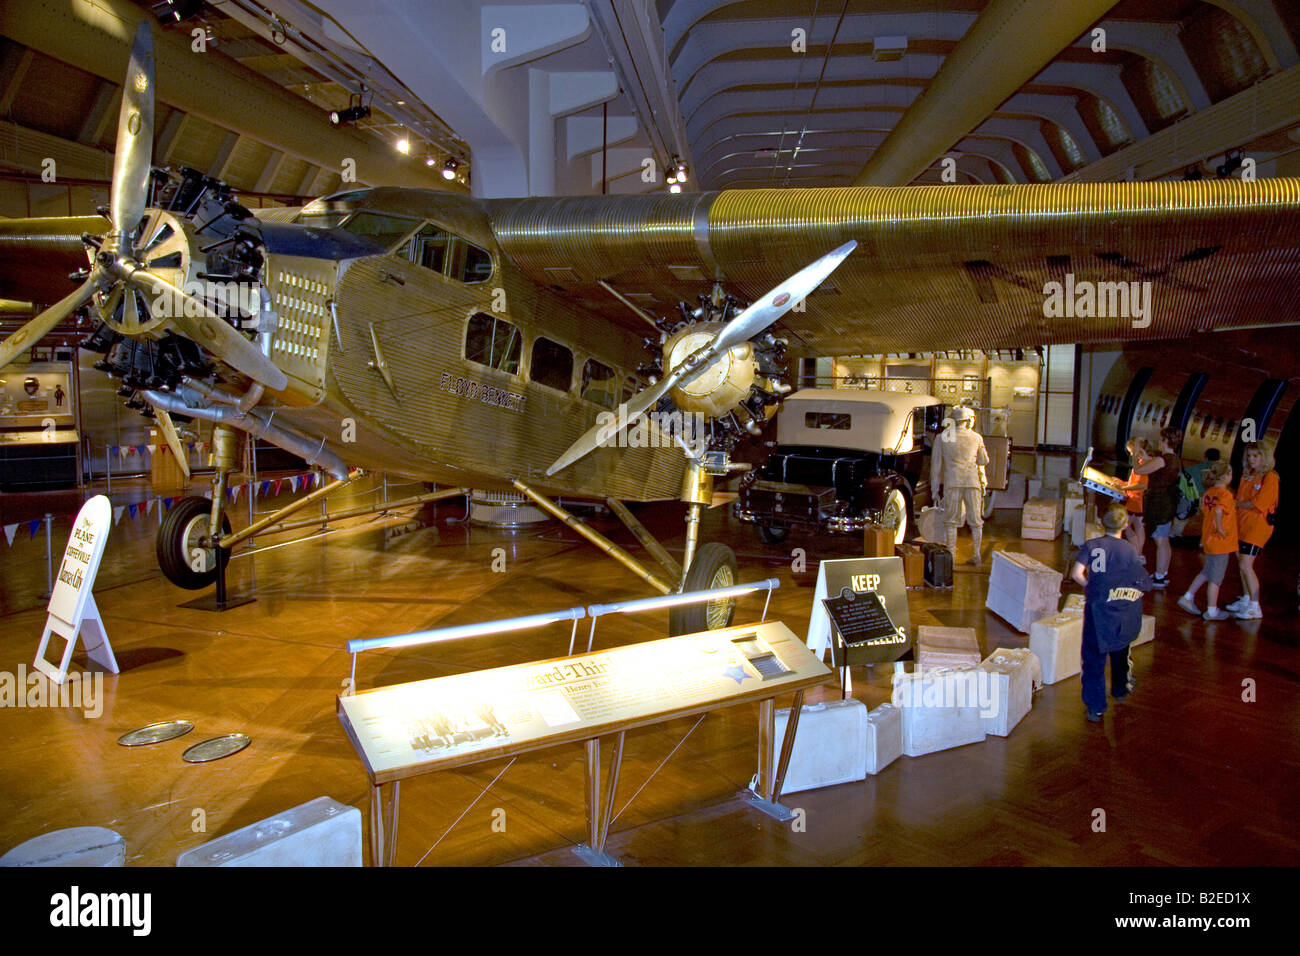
(449, 168)
(176, 11)
(403, 145)
(350, 115)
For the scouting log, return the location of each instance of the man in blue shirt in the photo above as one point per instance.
(1111, 573)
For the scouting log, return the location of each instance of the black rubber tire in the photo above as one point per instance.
(172, 556)
(772, 535)
(706, 571)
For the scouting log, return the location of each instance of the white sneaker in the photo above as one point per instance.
(1188, 605)
(1238, 605)
(1215, 614)
(1250, 612)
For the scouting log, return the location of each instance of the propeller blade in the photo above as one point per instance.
(193, 319)
(134, 136)
(781, 299)
(39, 327)
(168, 429)
(598, 434)
(739, 330)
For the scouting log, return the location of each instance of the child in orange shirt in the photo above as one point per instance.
(1218, 541)
(1136, 532)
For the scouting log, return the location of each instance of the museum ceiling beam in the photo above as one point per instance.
(1010, 43)
(94, 36)
(1269, 106)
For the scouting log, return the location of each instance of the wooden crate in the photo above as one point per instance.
(1041, 519)
(877, 542)
(945, 647)
(1021, 590)
(913, 564)
(1057, 642)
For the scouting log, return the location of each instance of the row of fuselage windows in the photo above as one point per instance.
(499, 344)
(1157, 416)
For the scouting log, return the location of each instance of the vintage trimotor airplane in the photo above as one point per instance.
(487, 344)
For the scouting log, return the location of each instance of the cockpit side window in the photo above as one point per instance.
(428, 248)
(493, 342)
(448, 254)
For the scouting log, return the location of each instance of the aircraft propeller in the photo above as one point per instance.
(739, 330)
(117, 262)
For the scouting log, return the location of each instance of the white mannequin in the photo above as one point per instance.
(958, 478)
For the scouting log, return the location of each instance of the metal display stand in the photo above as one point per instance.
(376, 720)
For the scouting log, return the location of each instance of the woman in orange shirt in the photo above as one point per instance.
(1256, 498)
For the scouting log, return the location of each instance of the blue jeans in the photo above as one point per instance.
(1094, 674)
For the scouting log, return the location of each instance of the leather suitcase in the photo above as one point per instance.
(938, 565)
(877, 542)
(913, 565)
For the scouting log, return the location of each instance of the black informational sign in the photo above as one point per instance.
(862, 624)
(881, 577)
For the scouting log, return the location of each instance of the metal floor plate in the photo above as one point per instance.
(216, 747)
(156, 733)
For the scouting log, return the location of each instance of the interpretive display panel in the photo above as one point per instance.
(444, 722)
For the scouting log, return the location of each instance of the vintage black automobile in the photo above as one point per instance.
(844, 458)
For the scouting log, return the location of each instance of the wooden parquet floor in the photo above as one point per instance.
(1186, 772)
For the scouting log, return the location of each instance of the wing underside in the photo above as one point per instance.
(939, 266)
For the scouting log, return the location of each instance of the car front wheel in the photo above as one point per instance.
(894, 514)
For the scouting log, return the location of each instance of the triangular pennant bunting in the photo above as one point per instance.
(117, 513)
(9, 532)
(167, 504)
(33, 526)
(131, 510)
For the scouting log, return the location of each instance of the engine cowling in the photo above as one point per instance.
(724, 384)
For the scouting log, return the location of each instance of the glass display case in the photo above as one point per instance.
(38, 427)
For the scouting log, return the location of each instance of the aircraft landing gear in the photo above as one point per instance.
(714, 566)
(186, 552)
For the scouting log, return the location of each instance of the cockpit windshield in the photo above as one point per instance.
(382, 230)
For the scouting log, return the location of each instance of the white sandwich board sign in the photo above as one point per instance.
(72, 610)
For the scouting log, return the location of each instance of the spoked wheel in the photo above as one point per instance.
(184, 561)
(894, 515)
(772, 534)
(714, 567)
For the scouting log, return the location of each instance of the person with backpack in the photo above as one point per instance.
(1257, 497)
(1160, 503)
(1115, 582)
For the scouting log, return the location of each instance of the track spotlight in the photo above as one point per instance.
(1231, 163)
(176, 11)
(403, 145)
(679, 168)
(349, 115)
(429, 160)
(675, 187)
(449, 168)
(670, 178)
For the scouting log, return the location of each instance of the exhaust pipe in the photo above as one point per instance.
(256, 423)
